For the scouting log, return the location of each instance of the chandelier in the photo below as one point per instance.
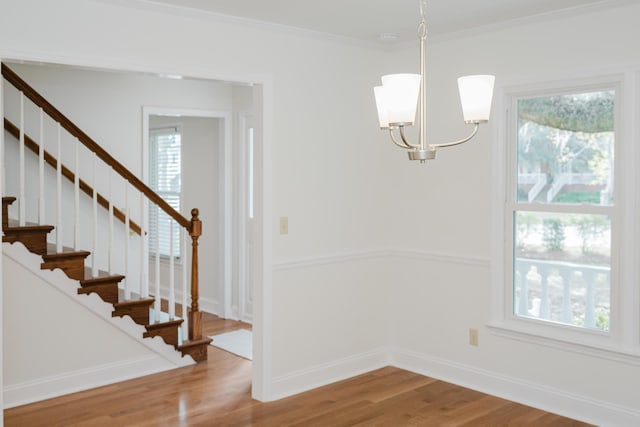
(401, 94)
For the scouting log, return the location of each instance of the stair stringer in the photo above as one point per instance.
(164, 357)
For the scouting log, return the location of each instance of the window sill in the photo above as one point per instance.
(591, 343)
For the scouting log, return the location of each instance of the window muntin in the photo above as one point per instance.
(561, 208)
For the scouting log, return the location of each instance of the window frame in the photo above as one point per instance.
(622, 341)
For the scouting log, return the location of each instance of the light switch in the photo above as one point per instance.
(284, 225)
(473, 337)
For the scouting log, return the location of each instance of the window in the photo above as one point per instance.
(562, 208)
(564, 273)
(164, 179)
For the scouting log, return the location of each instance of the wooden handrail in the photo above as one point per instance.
(67, 173)
(93, 146)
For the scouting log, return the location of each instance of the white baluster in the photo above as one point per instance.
(76, 199)
(41, 210)
(127, 286)
(185, 286)
(589, 309)
(172, 290)
(545, 311)
(144, 259)
(59, 193)
(156, 309)
(566, 298)
(2, 158)
(94, 262)
(22, 203)
(111, 248)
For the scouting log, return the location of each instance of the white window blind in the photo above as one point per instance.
(165, 180)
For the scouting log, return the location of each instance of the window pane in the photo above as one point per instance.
(561, 270)
(165, 180)
(565, 148)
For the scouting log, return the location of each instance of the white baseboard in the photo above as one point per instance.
(320, 375)
(58, 385)
(539, 396)
(208, 305)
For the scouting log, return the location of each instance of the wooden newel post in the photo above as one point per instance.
(195, 316)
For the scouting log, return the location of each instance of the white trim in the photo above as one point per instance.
(449, 258)
(585, 347)
(300, 263)
(244, 225)
(82, 379)
(331, 372)
(263, 285)
(226, 225)
(621, 343)
(544, 17)
(215, 17)
(540, 396)
(2, 189)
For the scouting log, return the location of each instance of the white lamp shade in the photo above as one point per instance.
(383, 116)
(476, 94)
(401, 97)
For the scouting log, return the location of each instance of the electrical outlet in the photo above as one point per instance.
(284, 225)
(473, 337)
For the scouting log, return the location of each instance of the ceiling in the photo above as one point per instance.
(369, 19)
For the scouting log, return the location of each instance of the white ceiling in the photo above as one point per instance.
(368, 19)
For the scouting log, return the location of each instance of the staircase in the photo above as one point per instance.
(136, 304)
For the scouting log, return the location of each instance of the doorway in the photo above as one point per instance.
(123, 93)
(202, 182)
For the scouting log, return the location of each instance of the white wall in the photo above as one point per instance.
(323, 156)
(40, 316)
(443, 284)
(348, 192)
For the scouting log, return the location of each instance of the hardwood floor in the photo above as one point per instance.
(217, 393)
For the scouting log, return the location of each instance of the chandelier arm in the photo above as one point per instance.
(404, 140)
(462, 141)
(396, 142)
(401, 144)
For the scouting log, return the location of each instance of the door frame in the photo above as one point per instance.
(222, 305)
(262, 373)
(242, 189)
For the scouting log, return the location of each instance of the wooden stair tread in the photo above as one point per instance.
(103, 277)
(134, 302)
(87, 289)
(66, 252)
(160, 325)
(195, 343)
(33, 236)
(197, 349)
(14, 225)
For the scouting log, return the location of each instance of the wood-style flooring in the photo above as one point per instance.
(217, 393)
